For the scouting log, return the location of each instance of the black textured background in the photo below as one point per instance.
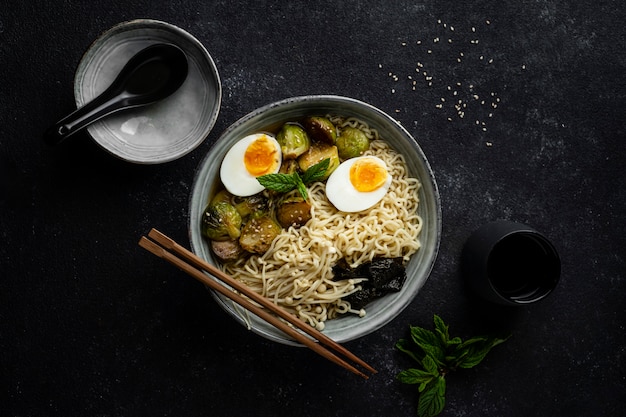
(92, 325)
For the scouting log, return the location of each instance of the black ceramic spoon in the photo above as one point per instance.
(149, 76)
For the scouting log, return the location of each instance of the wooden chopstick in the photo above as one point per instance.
(195, 270)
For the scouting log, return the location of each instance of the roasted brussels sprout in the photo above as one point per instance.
(320, 129)
(258, 233)
(352, 143)
(248, 205)
(293, 211)
(227, 250)
(317, 153)
(222, 196)
(293, 141)
(221, 221)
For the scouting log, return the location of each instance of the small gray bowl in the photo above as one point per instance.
(163, 131)
(381, 311)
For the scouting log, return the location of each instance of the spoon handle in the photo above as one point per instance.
(96, 109)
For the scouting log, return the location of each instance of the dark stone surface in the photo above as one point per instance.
(92, 326)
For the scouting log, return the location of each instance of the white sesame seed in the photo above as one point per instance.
(488, 22)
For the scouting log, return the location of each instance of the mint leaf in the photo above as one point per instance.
(316, 172)
(414, 376)
(442, 329)
(432, 400)
(404, 345)
(300, 185)
(430, 343)
(281, 183)
(430, 365)
(476, 352)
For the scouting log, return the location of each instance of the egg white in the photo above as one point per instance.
(233, 173)
(342, 194)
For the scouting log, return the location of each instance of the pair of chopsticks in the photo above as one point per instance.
(166, 248)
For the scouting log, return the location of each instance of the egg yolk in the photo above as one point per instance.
(260, 157)
(366, 175)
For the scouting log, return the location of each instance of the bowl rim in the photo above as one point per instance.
(88, 57)
(435, 207)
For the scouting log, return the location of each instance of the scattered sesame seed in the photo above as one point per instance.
(452, 28)
(403, 43)
(488, 22)
(524, 66)
(436, 40)
(449, 40)
(449, 119)
(419, 42)
(429, 51)
(473, 29)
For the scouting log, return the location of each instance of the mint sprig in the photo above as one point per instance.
(437, 354)
(283, 183)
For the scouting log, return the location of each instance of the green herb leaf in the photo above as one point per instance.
(281, 183)
(476, 352)
(405, 346)
(430, 365)
(316, 172)
(300, 185)
(414, 376)
(433, 399)
(430, 343)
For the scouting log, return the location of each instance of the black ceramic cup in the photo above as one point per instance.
(510, 263)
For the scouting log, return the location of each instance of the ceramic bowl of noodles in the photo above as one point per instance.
(323, 204)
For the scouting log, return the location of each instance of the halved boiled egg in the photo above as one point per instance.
(358, 183)
(251, 157)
